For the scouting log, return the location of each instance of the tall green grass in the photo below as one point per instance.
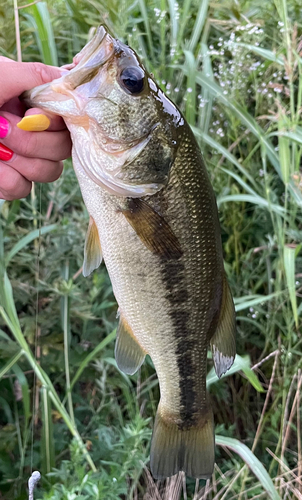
(234, 70)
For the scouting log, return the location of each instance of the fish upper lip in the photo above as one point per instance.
(87, 52)
(95, 54)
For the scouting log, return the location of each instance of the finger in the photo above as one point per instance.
(15, 78)
(14, 106)
(12, 184)
(56, 122)
(6, 59)
(35, 169)
(54, 146)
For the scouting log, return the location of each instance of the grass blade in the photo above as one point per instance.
(191, 96)
(91, 356)
(252, 300)
(11, 363)
(183, 20)
(10, 317)
(225, 152)
(25, 392)
(240, 364)
(284, 151)
(67, 338)
(289, 266)
(199, 24)
(40, 21)
(144, 12)
(269, 55)
(252, 461)
(173, 22)
(256, 200)
(242, 183)
(205, 107)
(26, 240)
(47, 442)
(241, 113)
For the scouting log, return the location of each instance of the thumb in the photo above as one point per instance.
(18, 77)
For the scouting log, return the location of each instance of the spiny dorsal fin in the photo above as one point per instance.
(129, 354)
(92, 249)
(223, 343)
(152, 229)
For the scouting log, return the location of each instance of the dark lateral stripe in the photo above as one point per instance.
(173, 275)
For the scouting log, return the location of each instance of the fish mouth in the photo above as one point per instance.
(85, 66)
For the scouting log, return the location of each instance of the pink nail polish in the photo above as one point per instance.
(4, 127)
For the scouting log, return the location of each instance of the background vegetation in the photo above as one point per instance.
(234, 70)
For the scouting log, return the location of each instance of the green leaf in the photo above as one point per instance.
(144, 12)
(252, 300)
(25, 391)
(256, 200)
(284, 150)
(47, 441)
(242, 183)
(7, 301)
(241, 113)
(40, 21)
(252, 462)
(225, 152)
(205, 111)
(295, 136)
(91, 356)
(173, 23)
(11, 363)
(289, 266)
(191, 97)
(199, 24)
(28, 239)
(241, 363)
(269, 55)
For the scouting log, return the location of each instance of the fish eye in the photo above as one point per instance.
(133, 79)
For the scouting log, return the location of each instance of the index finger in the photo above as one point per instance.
(56, 122)
(15, 78)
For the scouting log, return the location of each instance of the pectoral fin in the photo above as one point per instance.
(129, 354)
(152, 229)
(92, 249)
(223, 343)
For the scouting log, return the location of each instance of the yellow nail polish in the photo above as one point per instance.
(34, 123)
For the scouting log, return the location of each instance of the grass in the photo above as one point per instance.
(234, 69)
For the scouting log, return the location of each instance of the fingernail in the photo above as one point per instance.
(34, 123)
(4, 127)
(5, 153)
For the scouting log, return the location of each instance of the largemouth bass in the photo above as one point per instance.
(153, 217)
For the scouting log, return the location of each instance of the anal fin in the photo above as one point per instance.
(92, 249)
(223, 342)
(129, 354)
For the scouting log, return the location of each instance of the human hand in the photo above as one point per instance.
(27, 157)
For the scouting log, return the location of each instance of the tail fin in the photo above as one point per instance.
(190, 450)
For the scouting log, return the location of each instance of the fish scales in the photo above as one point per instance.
(153, 216)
